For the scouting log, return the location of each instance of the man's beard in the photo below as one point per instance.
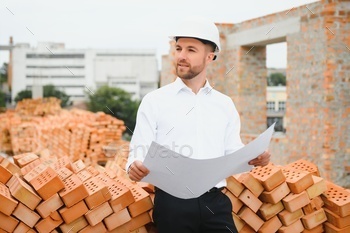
(191, 73)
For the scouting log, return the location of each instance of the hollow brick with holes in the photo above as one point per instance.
(8, 204)
(337, 199)
(47, 183)
(84, 175)
(74, 226)
(288, 218)
(295, 227)
(314, 219)
(276, 194)
(23, 192)
(30, 166)
(298, 181)
(61, 163)
(50, 223)
(248, 216)
(268, 210)
(304, 165)
(52, 204)
(92, 170)
(35, 172)
(272, 225)
(250, 200)
(8, 223)
(97, 214)
(78, 166)
(69, 214)
(98, 192)
(27, 159)
(26, 215)
(142, 202)
(251, 183)
(74, 191)
(270, 176)
(336, 220)
(293, 201)
(234, 186)
(117, 219)
(64, 173)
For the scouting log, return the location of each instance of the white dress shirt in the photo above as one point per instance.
(201, 126)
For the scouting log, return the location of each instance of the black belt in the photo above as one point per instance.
(214, 189)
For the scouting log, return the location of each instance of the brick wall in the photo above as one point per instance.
(318, 84)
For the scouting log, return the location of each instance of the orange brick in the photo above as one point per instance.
(314, 219)
(74, 226)
(236, 203)
(275, 195)
(139, 221)
(287, 218)
(27, 159)
(111, 174)
(268, 210)
(52, 204)
(298, 181)
(250, 218)
(234, 186)
(35, 172)
(295, 227)
(100, 227)
(270, 176)
(117, 219)
(74, 191)
(146, 186)
(329, 228)
(17, 157)
(84, 175)
(5, 174)
(121, 195)
(50, 223)
(69, 214)
(318, 229)
(23, 192)
(250, 200)
(92, 170)
(30, 166)
(21, 227)
(26, 215)
(271, 225)
(292, 202)
(8, 223)
(142, 202)
(125, 182)
(317, 188)
(64, 173)
(8, 204)
(336, 220)
(97, 214)
(247, 229)
(337, 199)
(239, 223)
(78, 166)
(304, 165)
(61, 163)
(98, 192)
(47, 183)
(13, 168)
(251, 183)
(315, 204)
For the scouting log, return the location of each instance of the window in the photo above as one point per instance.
(279, 123)
(270, 105)
(57, 56)
(281, 106)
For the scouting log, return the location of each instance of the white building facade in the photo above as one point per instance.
(76, 71)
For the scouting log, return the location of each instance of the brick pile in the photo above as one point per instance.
(50, 194)
(288, 199)
(39, 124)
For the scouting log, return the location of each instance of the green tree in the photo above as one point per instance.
(276, 79)
(2, 99)
(49, 91)
(3, 74)
(116, 102)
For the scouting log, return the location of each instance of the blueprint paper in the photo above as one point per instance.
(186, 178)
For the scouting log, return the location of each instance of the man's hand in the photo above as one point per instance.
(137, 171)
(261, 160)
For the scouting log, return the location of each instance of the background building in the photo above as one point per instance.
(76, 71)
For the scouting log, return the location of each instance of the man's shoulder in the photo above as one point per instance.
(160, 92)
(221, 96)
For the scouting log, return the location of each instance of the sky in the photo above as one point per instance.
(127, 24)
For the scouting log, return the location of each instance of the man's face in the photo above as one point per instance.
(191, 57)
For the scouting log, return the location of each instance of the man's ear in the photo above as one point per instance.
(210, 57)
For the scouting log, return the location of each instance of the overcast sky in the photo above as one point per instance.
(125, 23)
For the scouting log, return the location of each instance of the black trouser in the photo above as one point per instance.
(209, 213)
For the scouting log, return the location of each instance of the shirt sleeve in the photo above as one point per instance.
(233, 140)
(144, 133)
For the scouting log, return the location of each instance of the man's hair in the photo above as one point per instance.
(206, 42)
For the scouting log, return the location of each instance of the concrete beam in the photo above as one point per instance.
(265, 34)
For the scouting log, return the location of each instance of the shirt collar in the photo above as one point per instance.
(180, 85)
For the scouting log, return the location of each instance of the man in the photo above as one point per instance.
(193, 119)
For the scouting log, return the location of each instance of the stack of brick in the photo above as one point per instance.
(285, 199)
(47, 194)
(39, 107)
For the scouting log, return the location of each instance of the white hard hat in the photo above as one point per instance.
(198, 28)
